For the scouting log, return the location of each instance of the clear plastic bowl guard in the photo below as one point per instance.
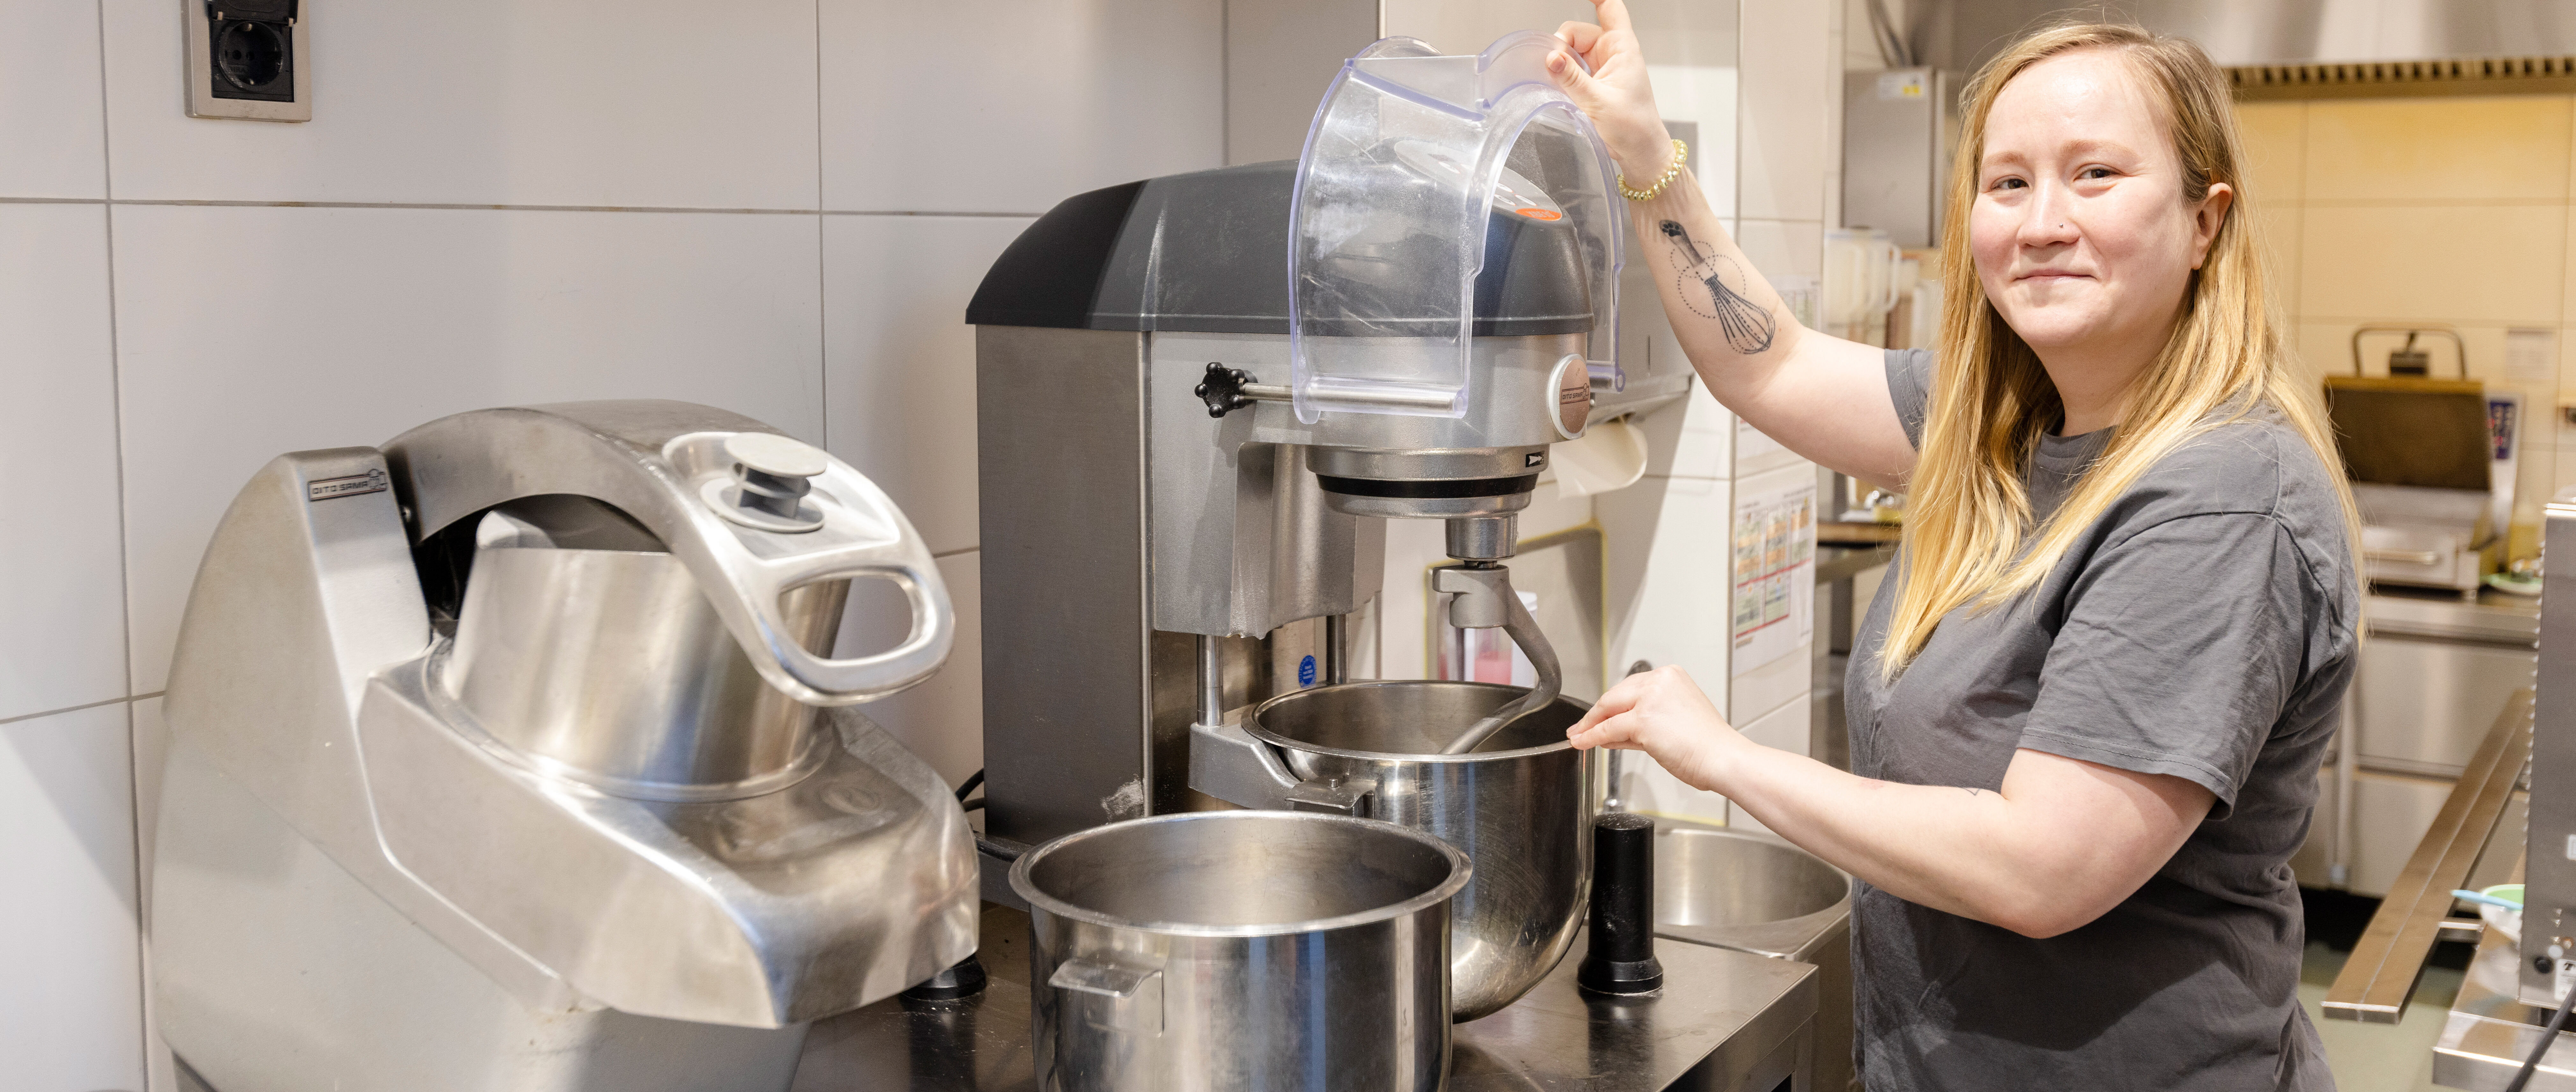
(1414, 162)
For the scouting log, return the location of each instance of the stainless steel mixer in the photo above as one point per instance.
(1186, 460)
(513, 756)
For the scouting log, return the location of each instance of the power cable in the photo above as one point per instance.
(2547, 1038)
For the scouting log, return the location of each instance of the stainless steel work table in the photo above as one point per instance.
(2492, 617)
(2489, 1033)
(1724, 1022)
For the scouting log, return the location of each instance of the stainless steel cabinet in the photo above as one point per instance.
(2434, 675)
(2425, 702)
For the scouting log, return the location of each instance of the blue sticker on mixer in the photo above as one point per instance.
(1306, 671)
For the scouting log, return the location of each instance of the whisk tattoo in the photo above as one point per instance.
(1748, 326)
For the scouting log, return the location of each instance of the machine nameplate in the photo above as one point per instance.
(373, 481)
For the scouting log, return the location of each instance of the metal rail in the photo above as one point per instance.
(2379, 979)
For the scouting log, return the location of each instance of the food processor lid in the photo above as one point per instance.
(1420, 171)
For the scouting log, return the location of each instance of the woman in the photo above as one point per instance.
(2088, 707)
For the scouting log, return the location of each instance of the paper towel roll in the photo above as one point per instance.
(1611, 455)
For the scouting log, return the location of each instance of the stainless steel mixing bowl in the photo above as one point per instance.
(1240, 950)
(1520, 806)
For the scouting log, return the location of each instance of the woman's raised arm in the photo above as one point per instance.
(1823, 397)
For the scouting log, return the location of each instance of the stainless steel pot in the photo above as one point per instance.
(612, 668)
(1241, 950)
(1519, 805)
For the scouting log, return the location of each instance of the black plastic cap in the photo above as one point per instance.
(1620, 958)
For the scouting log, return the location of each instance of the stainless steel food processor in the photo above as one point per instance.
(1199, 398)
(514, 756)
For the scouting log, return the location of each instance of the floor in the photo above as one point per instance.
(2378, 1057)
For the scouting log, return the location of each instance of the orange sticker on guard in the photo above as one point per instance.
(1541, 214)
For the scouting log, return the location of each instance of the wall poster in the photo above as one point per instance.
(1775, 586)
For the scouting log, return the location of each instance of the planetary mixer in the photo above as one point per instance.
(1199, 398)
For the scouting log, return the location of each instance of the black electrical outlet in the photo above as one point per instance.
(253, 44)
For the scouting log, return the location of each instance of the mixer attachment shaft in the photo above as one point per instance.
(1485, 599)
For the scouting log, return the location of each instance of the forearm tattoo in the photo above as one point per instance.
(1703, 272)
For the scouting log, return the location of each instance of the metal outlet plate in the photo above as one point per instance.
(202, 102)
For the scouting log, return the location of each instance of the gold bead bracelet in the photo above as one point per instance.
(1681, 155)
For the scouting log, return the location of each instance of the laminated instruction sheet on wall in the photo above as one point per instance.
(1775, 587)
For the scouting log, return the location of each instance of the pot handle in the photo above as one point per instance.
(1110, 996)
(1355, 797)
(1227, 763)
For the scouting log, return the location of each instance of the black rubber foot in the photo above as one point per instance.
(1621, 979)
(966, 979)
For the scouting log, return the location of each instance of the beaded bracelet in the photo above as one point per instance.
(1681, 155)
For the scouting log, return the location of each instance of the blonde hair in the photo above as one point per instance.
(1969, 519)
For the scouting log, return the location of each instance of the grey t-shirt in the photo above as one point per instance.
(2203, 627)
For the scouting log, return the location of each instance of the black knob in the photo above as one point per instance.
(1621, 955)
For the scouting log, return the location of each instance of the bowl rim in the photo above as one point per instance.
(1460, 870)
(1252, 725)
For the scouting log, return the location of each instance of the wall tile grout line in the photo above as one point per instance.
(124, 564)
(78, 708)
(822, 263)
(455, 207)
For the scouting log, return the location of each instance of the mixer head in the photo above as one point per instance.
(1453, 276)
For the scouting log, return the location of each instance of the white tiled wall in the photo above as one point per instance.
(72, 997)
(1014, 105)
(62, 598)
(388, 317)
(778, 207)
(899, 393)
(643, 103)
(51, 56)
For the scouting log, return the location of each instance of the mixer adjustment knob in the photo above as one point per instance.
(769, 484)
(1226, 390)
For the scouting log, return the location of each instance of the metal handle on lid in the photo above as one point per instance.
(904, 560)
(672, 467)
(857, 679)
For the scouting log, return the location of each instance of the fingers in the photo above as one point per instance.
(1576, 83)
(1579, 37)
(1618, 731)
(1612, 13)
(1619, 699)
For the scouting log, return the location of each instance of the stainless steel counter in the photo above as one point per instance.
(1724, 1022)
(2493, 617)
(2489, 1033)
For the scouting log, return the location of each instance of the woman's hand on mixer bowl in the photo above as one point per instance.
(1615, 94)
(2058, 844)
(1665, 714)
